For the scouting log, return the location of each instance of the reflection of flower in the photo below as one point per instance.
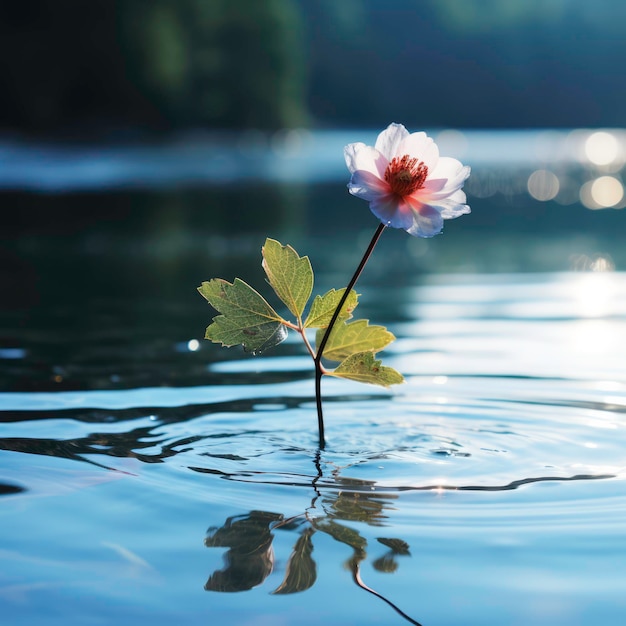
(407, 184)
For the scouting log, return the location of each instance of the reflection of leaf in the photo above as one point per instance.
(246, 317)
(358, 507)
(324, 306)
(290, 275)
(353, 337)
(343, 534)
(250, 559)
(357, 484)
(386, 564)
(364, 368)
(397, 546)
(301, 569)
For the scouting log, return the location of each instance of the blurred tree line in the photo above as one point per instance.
(466, 63)
(152, 64)
(169, 64)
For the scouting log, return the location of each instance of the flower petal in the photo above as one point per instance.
(392, 211)
(422, 147)
(390, 139)
(358, 156)
(349, 154)
(434, 185)
(452, 206)
(454, 171)
(368, 186)
(427, 222)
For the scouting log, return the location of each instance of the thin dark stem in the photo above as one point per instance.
(318, 401)
(333, 319)
(356, 575)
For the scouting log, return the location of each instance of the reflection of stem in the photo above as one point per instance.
(356, 575)
(318, 466)
(320, 350)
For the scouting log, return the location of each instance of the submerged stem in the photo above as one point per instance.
(320, 350)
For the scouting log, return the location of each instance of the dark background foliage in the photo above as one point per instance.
(80, 67)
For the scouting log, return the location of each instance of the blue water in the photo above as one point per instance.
(148, 476)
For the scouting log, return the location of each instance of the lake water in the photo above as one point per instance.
(148, 476)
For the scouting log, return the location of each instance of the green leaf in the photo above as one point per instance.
(364, 368)
(290, 275)
(246, 318)
(324, 306)
(358, 336)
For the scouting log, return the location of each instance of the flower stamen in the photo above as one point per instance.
(406, 175)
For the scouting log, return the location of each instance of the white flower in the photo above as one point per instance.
(407, 184)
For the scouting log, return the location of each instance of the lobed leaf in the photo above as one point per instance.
(290, 275)
(350, 338)
(365, 368)
(324, 306)
(246, 318)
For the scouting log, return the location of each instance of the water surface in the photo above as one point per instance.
(149, 476)
(496, 473)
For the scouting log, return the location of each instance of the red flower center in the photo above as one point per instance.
(405, 175)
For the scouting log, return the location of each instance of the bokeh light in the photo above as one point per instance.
(193, 345)
(601, 193)
(543, 185)
(602, 148)
(452, 142)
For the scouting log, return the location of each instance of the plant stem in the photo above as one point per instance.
(320, 350)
